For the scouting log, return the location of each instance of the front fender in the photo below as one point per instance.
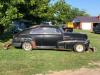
(71, 43)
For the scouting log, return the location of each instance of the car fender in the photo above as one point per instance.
(30, 40)
(73, 42)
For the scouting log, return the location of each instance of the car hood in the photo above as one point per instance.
(75, 36)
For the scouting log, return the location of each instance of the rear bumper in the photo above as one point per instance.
(16, 44)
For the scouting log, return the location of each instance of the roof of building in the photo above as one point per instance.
(95, 19)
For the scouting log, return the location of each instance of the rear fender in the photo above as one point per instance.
(30, 40)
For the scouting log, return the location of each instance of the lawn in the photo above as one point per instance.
(19, 62)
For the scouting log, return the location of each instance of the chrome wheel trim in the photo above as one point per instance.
(27, 46)
(79, 48)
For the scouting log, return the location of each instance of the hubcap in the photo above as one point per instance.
(79, 48)
(27, 46)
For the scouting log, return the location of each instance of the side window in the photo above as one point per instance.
(45, 30)
(36, 31)
(52, 31)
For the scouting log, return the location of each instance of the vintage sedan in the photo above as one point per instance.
(50, 37)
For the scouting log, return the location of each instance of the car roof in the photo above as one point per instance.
(36, 26)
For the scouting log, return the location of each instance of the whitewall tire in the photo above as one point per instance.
(27, 46)
(79, 47)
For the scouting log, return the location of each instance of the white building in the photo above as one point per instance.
(86, 22)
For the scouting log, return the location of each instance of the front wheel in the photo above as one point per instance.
(27, 46)
(79, 47)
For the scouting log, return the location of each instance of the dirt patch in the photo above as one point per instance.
(82, 71)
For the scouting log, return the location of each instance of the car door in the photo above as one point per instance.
(37, 35)
(51, 36)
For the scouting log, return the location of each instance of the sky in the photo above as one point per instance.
(92, 7)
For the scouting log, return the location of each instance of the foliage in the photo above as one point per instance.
(63, 12)
(8, 12)
(18, 9)
(37, 11)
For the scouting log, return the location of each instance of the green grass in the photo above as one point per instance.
(19, 62)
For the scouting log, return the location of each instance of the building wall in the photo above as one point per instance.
(76, 25)
(86, 25)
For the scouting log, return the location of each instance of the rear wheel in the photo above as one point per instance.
(79, 47)
(27, 46)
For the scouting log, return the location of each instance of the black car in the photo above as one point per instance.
(43, 36)
(96, 28)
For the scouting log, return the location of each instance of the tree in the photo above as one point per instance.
(8, 12)
(63, 12)
(37, 11)
(76, 12)
(22, 9)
